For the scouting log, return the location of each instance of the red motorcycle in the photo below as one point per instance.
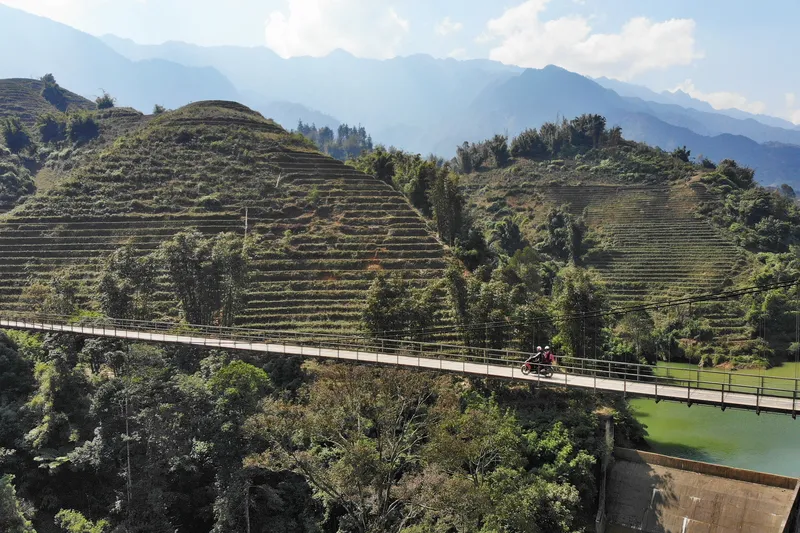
(535, 366)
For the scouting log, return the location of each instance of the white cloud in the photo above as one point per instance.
(722, 99)
(365, 28)
(792, 112)
(523, 39)
(447, 26)
(458, 53)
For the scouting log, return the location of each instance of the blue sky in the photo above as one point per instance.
(731, 53)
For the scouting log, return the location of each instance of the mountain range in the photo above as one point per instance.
(418, 103)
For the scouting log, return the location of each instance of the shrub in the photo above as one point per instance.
(82, 127)
(15, 135)
(211, 202)
(159, 109)
(682, 153)
(498, 146)
(53, 93)
(528, 144)
(52, 127)
(106, 101)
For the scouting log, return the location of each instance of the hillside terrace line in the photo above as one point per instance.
(771, 394)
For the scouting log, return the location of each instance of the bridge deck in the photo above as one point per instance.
(443, 362)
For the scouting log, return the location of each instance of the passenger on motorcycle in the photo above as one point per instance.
(549, 357)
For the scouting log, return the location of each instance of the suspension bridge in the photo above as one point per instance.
(708, 387)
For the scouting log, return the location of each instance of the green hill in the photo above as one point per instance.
(645, 213)
(322, 229)
(46, 160)
(23, 98)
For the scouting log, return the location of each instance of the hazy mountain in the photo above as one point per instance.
(287, 114)
(418, 103)
(87, 65)
(682, 99)
(404, 94)
(399, 99)
(537, 96)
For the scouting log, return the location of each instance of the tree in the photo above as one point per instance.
(564, 235)
(577, 294)
(682, 154)
(394, 309)
(105, 101)
(82, 127)
(231, 266)
(448, 204)
(528, 144)
(51, 127)
(464, 158)
(12, 519)
(498, 146)
(159, 109)
(359, 431)
(379, 163)
(127, 284)
(787, 191)
(587, 131)
(74, 522)
(637, 329)
(209, 276)
(15, 135)
(507, 234)
(53, 93)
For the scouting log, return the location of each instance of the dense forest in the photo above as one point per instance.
(100, 436)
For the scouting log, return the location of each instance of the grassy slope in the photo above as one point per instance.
(23, 98)
(49, 163)
(323, 228)
(644, 207)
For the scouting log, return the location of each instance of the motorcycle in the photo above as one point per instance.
(544, 370)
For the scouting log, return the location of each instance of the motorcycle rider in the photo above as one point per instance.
(535, 357)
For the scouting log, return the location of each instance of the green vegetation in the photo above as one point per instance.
(318, 231)
(15, 178)
(82, 127)
(29, 98)
(211, 214)
(347, 143)
(105, 101)
(53, 93)
(130, 437)
(15, 136)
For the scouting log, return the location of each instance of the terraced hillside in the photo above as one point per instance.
(655, 245)
(23, 98)
(322, 230)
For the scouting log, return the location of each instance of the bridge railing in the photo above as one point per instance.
(597, 369)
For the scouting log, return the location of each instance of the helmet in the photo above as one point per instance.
(538, 348)
(546, 347)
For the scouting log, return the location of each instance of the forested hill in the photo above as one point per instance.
(651, 224)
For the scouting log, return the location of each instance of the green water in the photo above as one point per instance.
(742, 439)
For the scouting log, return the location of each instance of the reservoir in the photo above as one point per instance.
(741, 439)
